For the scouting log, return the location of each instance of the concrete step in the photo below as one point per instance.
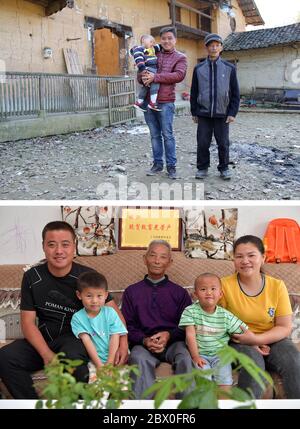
(182, 107)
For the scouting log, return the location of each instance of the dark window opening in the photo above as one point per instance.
(177, 13)
(205, 23)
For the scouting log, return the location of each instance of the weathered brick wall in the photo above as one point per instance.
(25, 31)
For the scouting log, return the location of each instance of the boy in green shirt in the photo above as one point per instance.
(209, 327)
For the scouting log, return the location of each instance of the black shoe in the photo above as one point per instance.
(225, 174)
(172, 172)
(156, 168)
(201, 174)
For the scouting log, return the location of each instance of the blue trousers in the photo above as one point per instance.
(161, 130)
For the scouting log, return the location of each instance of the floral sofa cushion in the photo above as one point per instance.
(94, 227)
(295, 335)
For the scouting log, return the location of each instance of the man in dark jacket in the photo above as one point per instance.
(171, 69)
(215, 99)
(152, 309)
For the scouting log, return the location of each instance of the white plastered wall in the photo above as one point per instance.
(21, 226)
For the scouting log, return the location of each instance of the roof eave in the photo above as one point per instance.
(53, 6)
(275, 45)
(251, 12)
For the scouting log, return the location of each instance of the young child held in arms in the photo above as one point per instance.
(209, 327)
(98, 326)
(145, 59)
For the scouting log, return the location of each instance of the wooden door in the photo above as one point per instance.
(107, 52)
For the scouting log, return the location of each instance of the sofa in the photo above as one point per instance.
(126, 267)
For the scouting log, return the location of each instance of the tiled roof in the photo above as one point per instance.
(262, 38)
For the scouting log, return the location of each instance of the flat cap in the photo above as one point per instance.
(212, 37)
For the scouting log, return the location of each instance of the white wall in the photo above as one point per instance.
(21, 227)
(273, 67)
(254, 219)
(21, 232)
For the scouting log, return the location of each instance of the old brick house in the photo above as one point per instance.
(34, 33)
(267, 59)
(60, 56)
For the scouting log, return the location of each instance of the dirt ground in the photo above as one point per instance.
(110, 163)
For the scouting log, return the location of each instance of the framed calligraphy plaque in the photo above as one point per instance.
(140, 225)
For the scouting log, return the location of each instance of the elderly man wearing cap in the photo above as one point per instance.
(215, 101)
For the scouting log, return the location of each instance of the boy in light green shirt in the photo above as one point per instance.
(209, 327)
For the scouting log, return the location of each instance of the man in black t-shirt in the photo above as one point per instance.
(53, 298)
(49, 293)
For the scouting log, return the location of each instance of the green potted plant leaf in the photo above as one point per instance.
(202, 392)
(111, 386)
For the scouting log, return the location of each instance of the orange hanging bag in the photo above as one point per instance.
(282, 241)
